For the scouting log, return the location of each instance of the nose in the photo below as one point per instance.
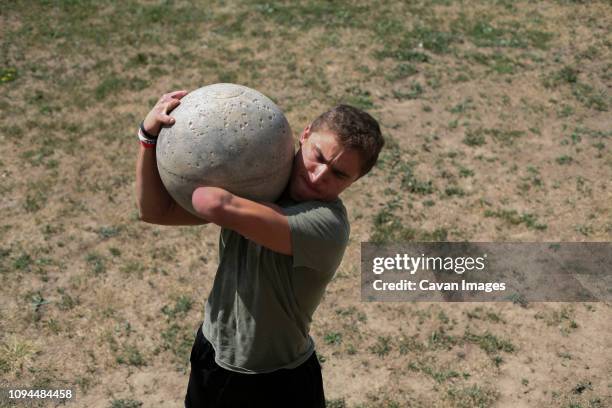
(319, 174)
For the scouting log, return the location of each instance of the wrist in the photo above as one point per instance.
(149, 133)
(146, 141)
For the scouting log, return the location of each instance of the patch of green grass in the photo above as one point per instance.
(483, 33)
(34, 201)
(8, 74)
(132, 268)
(131, 356)
(406, 345)
(181, 307)
(565, 111)
(66, 302)
(474, 138)
(108, 232)
(316, 13)
(514, 218)
(465, 172)
(23, 262)
(114, 84)
(333, 338)
(336, 403)
(4, 256)
(506, 137)
(463, 106)
(496, 62)
(441, 376)
(565, 159)
(401, 71)
(474, 396)
(125, 403)
(437, 235)
(358, 97)
(388, 227)
(489, 343)
(37, 301)
(141, 59)
(36, 157)
(178, 340)
(411, 183)
(430, 39)
(382, 346)
(584, 93)
(462, 78)
(480, 314)
(440, 340)
(567, 74)
(454, 191)
(96, 263)
(590, 97)
(477, 137)
(563, 319)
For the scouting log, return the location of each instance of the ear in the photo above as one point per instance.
(305, 134)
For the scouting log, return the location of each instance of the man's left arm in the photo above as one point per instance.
(263, 223)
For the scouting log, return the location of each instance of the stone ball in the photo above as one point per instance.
(227, 136)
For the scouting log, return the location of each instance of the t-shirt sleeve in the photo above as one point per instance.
(319, 234)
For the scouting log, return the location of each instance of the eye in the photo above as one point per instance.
(341, 176)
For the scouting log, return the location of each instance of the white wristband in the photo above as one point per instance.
(145, 139)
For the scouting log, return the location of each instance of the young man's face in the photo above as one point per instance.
(322, 168)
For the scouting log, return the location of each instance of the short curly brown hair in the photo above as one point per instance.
(355, 129)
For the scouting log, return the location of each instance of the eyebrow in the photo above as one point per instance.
(326, 160)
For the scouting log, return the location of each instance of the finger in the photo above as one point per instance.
(165, 119)
(178, 94)
(170, 105)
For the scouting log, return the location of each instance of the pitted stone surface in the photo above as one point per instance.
(228, 136)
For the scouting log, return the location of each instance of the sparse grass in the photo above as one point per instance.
(336, 403)
(472, 396)
(125, 403)
(382, 346)
(182, 305)
(358, 97)
(96, 263)
(131, 356)
(401, 71)
(178, 340)
(16, 353)
(514, 218)
(414, 92)
(333, 338)
(489, 343)
(474, 138)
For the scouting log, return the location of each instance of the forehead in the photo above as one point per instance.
(344, 159)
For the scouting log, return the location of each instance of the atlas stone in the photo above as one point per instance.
(227, 136)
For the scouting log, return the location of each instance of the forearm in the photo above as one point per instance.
(152, 197)
(263, 223)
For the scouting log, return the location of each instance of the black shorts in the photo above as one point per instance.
(213, 386)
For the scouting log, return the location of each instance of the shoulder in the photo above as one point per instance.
(314, 207)
(325, 217)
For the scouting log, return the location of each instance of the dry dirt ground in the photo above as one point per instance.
(498, 126)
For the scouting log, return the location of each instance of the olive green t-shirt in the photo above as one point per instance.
(259, 310)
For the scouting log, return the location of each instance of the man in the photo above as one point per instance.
(275, 260)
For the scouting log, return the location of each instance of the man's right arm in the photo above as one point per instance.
(155, 204)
